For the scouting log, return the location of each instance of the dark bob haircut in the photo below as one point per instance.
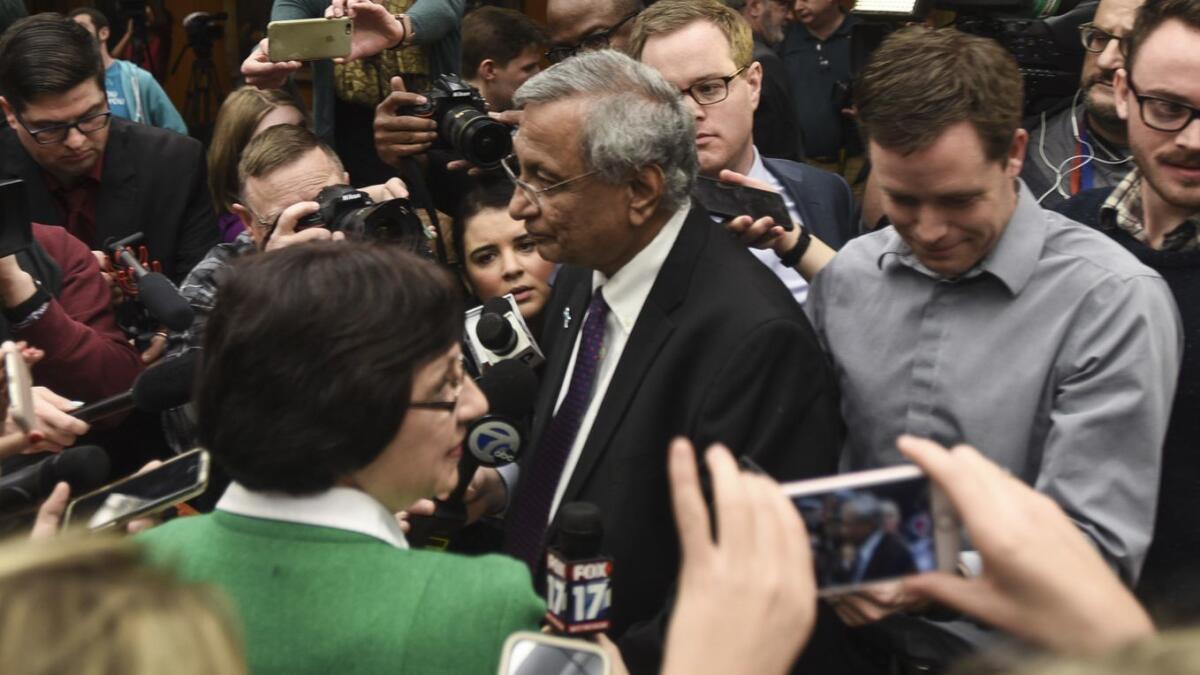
(46, 54)
(309, 359)
(485, 193)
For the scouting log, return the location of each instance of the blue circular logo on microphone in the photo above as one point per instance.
(494, 442)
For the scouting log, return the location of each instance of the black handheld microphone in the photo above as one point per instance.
(578, 577)
(492, 440)
(155, 292)
(497, 332)
(84, 468)
(159, 388)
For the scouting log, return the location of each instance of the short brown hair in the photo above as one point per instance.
(1151, 16)
(668, 16)
(239, 116)
(923, 80)
(278, 147)
(499, 34)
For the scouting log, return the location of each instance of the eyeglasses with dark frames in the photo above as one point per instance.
(1163, 114)
(1096, 40)
(458, 380)
(598, 40)
(58, 133)
(533, 193)
(712, 91)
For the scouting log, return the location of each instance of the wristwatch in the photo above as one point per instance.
(792, 257)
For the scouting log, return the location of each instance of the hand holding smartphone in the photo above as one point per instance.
(309, 39)
(142, 494)
(19, 386)
(729, 200)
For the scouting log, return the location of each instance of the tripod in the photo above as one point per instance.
(204, 92)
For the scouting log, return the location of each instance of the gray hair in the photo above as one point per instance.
(634, 118)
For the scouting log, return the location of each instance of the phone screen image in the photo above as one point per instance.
(179, 479)
(869, 533)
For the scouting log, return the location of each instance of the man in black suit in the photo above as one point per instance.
(879, 553)
(98, 177)
(661, 325)
(705, 50)
(776, 122)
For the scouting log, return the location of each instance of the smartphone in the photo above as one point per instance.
(16, 234)
(20, 387)
(528, 653)
(309, 39)
(141, 495)
(728, 200)
(875, 526)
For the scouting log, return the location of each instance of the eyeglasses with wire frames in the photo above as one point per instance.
(709, 92)
(597, 40)
(458, 380)
(1163, 114)
(513, 168)
(57, 133)
(1096, 40)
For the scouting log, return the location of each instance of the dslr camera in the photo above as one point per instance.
(344, 209)
(463, 124)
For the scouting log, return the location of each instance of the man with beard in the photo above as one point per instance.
(1084, 146)
(1155, 213)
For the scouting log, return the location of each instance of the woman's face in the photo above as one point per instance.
(283, 114)
(502, 258)
(422, 459)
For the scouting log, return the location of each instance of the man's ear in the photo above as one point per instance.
(1121, 93)
(645, 194)
(248, 222)
(1016, 153)
(9, 113)
(486, 71)
(754, 79)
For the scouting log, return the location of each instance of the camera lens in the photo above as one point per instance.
(478, 138)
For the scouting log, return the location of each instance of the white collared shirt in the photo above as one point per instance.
(795, 283)
(625, 294)
(339, 508)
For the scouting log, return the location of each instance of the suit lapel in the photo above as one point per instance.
(116, 206)
(651, 331)
(18, 164)
(805, 206)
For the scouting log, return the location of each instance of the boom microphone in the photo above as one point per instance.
(84, 468)
(161, 387)
(578, 578)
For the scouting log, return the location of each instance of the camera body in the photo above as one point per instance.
(344, 209)
(460, 112)
(202, 29)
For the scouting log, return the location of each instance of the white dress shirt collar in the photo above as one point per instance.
(339, 508)
(628, 289)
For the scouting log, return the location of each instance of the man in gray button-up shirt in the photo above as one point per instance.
(979, 317)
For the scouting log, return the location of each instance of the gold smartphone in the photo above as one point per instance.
(142, 494)
(309, 39)
(20, 387)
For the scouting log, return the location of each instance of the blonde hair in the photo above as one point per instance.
(668, 16)
(89, 605)
(239, 116)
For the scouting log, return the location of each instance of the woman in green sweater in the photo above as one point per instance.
(333, 395)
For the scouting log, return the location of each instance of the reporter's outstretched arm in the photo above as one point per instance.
(747, 601)
(1042, 579)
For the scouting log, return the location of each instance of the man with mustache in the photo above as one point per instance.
(1155, 213)
(1084, 145)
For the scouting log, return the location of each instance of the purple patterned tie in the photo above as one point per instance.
(531, 507)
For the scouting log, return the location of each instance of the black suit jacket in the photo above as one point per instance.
(719, 352)
(777, 130)
(154, 181)
(891, 558)
(823, 199)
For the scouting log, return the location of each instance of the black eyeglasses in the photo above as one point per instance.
(58, 133)
(458, 380)
(1163, 114)
(597, 40)
(1096, 40)
(712, 91)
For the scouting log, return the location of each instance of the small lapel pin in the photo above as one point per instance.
(566, 317)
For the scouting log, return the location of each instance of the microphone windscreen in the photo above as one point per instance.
(496, 306)
(166, 385)
(163, 301)
(580, 529)
(510, 387)
(84, 468)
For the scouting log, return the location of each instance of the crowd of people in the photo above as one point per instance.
(998, 298)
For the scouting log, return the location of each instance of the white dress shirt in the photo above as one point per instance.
(338, 508)
(625, 294)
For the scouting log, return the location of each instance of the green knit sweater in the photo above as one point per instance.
(318, 600)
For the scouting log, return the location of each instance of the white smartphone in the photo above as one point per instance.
(20, 387)
(141, 495)
(874, 526)
(528, 653)
(308, 39)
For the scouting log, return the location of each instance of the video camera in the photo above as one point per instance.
(202, 29)
(463, 123)
(1042, 35)
(344, 209)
